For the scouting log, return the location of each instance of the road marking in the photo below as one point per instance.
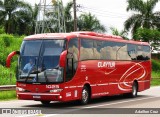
(120, 102)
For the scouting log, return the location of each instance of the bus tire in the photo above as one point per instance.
(134, 92)
(85, 95)
(45, 102)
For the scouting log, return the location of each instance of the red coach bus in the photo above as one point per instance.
(80, 66)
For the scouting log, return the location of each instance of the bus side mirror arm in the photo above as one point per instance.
(8, 60)
(62, 59)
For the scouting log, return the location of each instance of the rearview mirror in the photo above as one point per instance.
(8, 60)
(62, 59)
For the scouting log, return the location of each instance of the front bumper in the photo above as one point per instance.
(40, 96)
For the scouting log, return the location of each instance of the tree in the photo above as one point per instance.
(33, 14)
(148, 35)
(143, 15)
(88, 22)
(28, 24)
(68, 17)
(122, 33)
(11, 13)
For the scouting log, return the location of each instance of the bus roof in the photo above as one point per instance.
(84, 34)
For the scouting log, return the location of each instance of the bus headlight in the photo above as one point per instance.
(55, 90)
(20, 89)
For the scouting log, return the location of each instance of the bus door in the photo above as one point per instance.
(71, 78)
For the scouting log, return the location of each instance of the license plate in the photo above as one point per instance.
(37, 96)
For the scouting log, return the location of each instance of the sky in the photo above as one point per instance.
(111, 13)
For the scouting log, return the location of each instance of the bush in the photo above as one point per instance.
(8, 39)
(2, 30)
(155, 65)
(8, 44)
(7, 76)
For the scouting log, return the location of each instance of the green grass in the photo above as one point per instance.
(155, 82)
(7, 95)
(155, 74)
(155, 79)
(7, 76)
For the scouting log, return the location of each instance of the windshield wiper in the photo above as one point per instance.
(45, 75)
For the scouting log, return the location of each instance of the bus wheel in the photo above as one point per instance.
(134, 90)
(45, 102)
(85, 95)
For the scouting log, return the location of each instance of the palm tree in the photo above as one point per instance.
(122, 33)
(32, 15)
(68, 17)
(88, 22)
(11, 12)
(28, 24)
(143, 15)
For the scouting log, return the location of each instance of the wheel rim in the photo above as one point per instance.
(84, 95)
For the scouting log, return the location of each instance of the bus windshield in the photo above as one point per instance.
(39, 61)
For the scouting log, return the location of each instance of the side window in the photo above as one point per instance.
(146, 52)
(108, 50)
(97, 49)
(86, 50)
(121, 52)
(139, 52)
(132, 51)
(113, 50)
(72, 59)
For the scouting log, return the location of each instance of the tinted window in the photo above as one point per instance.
(114, 51)
(73, 48)
(86, 50)
(132, 51)
(53, 47)
(108, 51)
(146, 52)
(139, 52)
(121, 52)
(31, 48)
(97, 49)
(72, 61)
(40, 58)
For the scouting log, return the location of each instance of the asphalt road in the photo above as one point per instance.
(146, 104)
